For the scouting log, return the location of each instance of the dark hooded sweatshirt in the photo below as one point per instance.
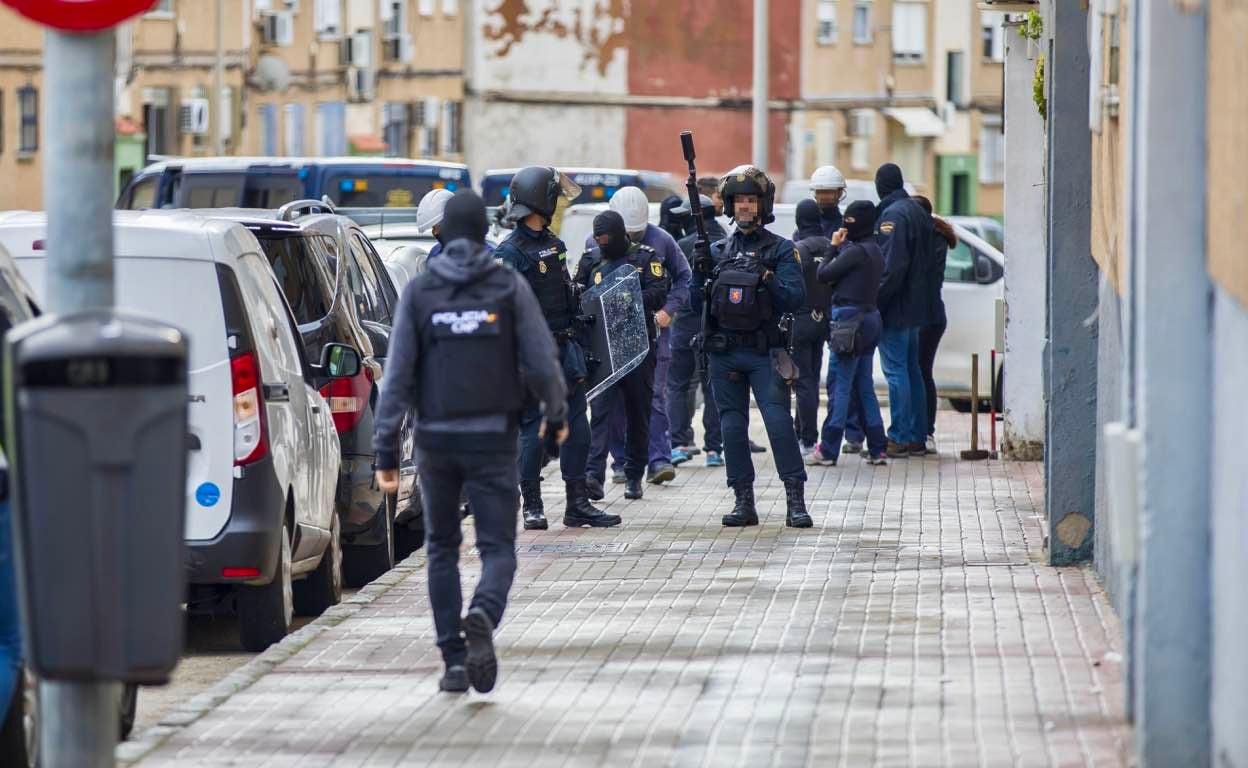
(810, 323)
(540, 373)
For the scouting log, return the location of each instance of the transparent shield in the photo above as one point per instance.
(618, 339)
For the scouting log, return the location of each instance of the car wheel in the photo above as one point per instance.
(363, 563)
(265, 612)
(322, 589)
(19, 733)
(961, 405)
(127, 708)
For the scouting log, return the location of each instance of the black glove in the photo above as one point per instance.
(702, 260)
(550, 443)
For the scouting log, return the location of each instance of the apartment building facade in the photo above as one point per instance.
(300, 77)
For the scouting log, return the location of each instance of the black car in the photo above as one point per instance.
(340, 291)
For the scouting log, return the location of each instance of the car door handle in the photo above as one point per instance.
(316, 409)
(277, 393)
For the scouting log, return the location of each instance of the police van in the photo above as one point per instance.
(597, 184)
(271, 182)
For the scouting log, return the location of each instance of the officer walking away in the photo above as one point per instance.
(904, 231)
(827, 184)
(429, 217)
(636, 389)
(755, 278)
(469, 346)
(853, 272)
(933, 328)
(685, 369)
(810, 324)
(541, 257)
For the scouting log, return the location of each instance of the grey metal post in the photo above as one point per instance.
(216, 104)
(1070, 355)
(79, 719)
(760, 84)
(1174, 358)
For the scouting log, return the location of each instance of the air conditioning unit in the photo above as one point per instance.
(361, 83)
(193, 117)
(357, 49)
(397, 48)
(277, 28)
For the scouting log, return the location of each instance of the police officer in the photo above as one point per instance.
(469, 345)
(615, 249)
(810, 324)
(429, 216)
(684, 369)
(827, 184)
(755, 277)
(541, 257)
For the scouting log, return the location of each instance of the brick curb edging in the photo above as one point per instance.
(135, 749)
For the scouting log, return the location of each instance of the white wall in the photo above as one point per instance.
(1025, 273)
(952, 32)
(510, 135)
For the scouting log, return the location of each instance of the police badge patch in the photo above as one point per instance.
(734, 295)
(597, 278)
(797, 255)
(886, 228)
(541, 266)
(656, 269)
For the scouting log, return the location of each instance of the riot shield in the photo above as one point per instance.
(617, 339)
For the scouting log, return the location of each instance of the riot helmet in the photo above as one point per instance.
(431, 209)
(748, 180)
(536, 189)
(708, 209)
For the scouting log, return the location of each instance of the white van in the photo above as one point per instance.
(263, 455)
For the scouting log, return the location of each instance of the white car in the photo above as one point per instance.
(404, 249)
(985, 228)
(263, 458)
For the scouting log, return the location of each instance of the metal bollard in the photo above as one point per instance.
(974, 454)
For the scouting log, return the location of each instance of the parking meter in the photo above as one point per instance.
(96, 414)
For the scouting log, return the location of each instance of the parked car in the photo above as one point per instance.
(985, 228)
(263, 454)
(341, 292)
(270, 182)
(597, 184)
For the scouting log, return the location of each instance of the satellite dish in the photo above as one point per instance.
(271, 74)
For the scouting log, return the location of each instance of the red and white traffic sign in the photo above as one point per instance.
(79, 15)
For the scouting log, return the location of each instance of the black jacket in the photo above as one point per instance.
(656, 281)
(904, 232)
(854, 273)
(690, 322)
(936, 281)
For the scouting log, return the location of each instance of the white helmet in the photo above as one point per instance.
(827, 177)
(632, 205)
(432, 206)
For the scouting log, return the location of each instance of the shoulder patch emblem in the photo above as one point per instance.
(797, 254)
(887, 228)
(541, 266)
(597, 278)
(656, 268)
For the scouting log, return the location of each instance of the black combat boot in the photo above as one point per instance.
(743, 512)
(534, 511)
(795, 495)
(580, 513)
(593, 487)
(632, 488)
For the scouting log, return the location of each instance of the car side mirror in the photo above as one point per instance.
(985, 272)
(340, 361)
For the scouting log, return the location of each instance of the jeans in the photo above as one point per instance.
(630, 399)
(907, 402)
(681, 398)
(929, 342)
(734, 375)
(853, 421)
(573, 452)
(854, 387)
(808, 355)
(489, 481)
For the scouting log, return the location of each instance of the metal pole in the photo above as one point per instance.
(760, 84)
(79, 718)
(216, 110)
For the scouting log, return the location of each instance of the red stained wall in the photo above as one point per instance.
(721, 136)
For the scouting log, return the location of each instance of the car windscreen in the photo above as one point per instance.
(381, 190)
(299, 275)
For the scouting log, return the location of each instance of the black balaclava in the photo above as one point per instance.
(807, 216)
(860, 220)
(888, 180)
(610, 235)
(464, 218)
(668, 221)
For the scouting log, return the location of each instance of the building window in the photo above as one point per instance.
(825, 27)
(268, 130)
(991, 151)
(158, 116)
(861, 128)
(452, 127)
(450, 8)
(954, 69)
(331, 129)
(425, 119)
(993, 35)
(426, 7)
(161, 8)
(863, 34)
(327, 15)
(396, 121)
(28, 122)
(296, 129)
(909, 31)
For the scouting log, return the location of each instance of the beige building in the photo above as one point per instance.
(301, 77)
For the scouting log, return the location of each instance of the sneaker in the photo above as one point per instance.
(851, 447)
(692, 450)
(756, 448)
(714, 459)
(661, 473)
(931, 444)
(679, 457)
(482, 665)
(918, 449)
(878, 460)
(897, 450)
(454, 680)
(818, 458)
(808, 449)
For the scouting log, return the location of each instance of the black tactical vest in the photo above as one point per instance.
(549, 277)
(739, 299)
(468, 364)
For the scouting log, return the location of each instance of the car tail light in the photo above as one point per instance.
(347, 399)
(240, 573)
(250, 443)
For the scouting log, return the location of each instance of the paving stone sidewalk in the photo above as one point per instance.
(916, 624)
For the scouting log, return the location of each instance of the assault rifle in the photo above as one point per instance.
(704, 240)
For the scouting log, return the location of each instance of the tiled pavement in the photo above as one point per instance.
(914, 625)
